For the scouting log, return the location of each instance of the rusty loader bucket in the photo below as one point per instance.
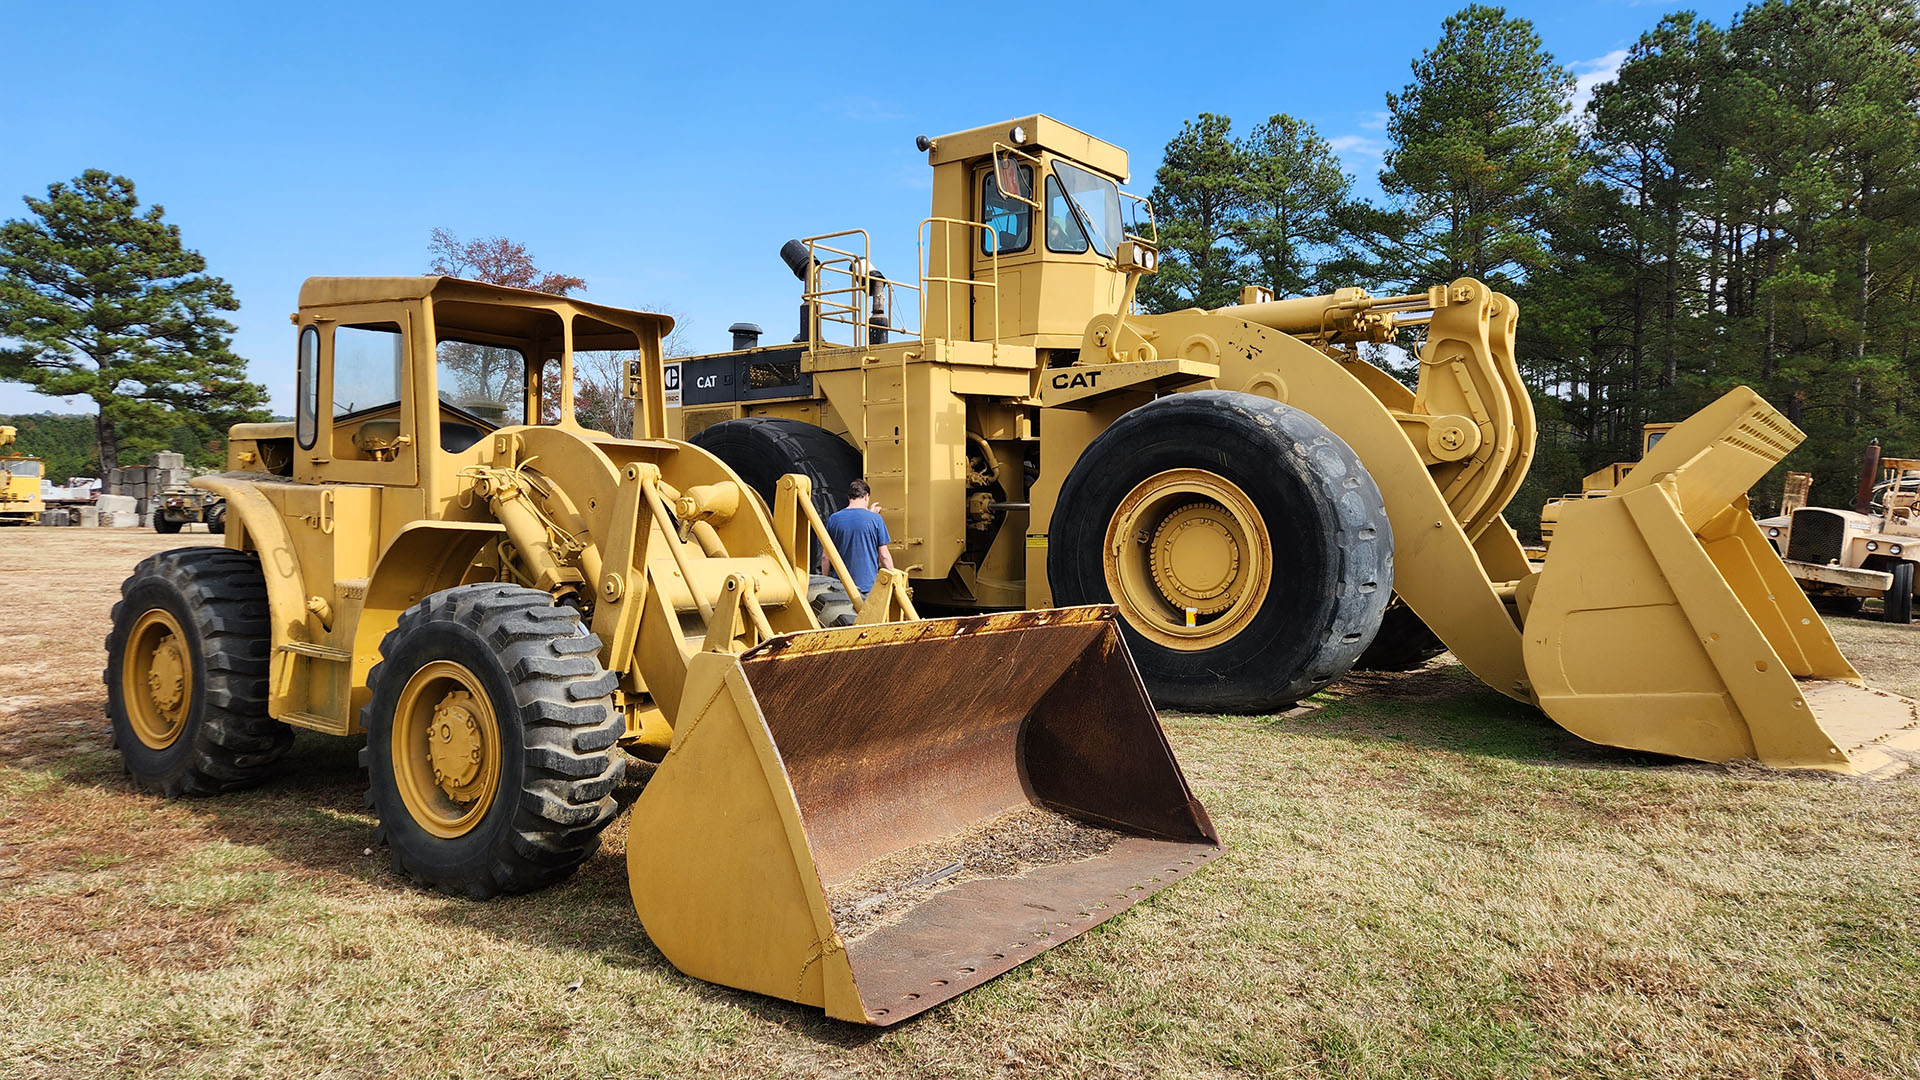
(1664, 621)
(875, 818)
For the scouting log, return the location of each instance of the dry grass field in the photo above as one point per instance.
(1426, 880)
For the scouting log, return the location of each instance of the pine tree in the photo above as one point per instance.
(101, 299)
(1292, 193)
(1197, 194)
(1481, 148)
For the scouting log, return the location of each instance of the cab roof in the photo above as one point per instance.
(320, 292)
(1043, 133)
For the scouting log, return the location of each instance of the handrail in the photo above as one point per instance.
(849, 304)
(949, 279)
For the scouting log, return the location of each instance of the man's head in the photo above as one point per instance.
(858, 493)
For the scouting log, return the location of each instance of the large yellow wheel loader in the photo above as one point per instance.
(1265, 507)
(434, 554)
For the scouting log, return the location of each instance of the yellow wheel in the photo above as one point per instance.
(187, 674)
(446, 749)
(491, 731)
(1187, 558)
(156, 678)
(1244, 543)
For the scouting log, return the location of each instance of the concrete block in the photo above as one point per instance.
(90, 515)
(108, 504)
(167, 459)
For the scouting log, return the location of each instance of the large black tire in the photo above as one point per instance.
(1897, 606)
(1403, 643)
(830, 602)
(539, 670)
(762, 449)
(162, 525)
(225, 741)
(1331, 545)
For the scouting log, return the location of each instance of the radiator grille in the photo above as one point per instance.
(1818, 536)
(699, 420)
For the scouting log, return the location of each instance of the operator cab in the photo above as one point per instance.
(489, 358)
(1050, 221)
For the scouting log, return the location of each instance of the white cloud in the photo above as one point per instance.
(1589, 74)
(1376, 121)
(1357, 145)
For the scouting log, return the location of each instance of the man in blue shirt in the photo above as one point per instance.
(861, 536)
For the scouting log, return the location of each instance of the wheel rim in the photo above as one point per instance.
(156, 679)
(1188, 539)
(446, 749)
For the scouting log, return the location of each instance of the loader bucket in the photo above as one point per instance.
(1663, 620)
(874, 819)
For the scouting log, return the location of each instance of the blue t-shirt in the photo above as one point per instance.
(859, 534)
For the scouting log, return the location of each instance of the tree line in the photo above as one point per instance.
(1740, 204)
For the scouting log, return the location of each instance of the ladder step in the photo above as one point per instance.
(317, 652)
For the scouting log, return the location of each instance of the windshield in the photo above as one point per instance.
(487, 381)
(1095, 200)
(21, 467)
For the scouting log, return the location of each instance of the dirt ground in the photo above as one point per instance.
(1423, 879)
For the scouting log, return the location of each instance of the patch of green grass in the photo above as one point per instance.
(1424, 879)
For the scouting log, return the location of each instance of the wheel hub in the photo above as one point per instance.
(454, 745)
(167, 677)
(1188, 559)
(445, 745)
(156, 678)
(1196, 559)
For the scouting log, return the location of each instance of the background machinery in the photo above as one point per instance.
(20, 476)
(1251, 493)
(507, 610)
(1870, 550)
(177, 507)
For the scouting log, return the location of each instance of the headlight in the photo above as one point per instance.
(1873, 545)
(1893, 549)
(1774, 533)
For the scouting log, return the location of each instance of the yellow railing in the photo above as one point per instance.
(842, 287)
(948, 280)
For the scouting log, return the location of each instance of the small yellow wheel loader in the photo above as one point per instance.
(20, 476)
(1265, 507)
(869, 818)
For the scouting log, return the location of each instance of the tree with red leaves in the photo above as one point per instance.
(495, 260)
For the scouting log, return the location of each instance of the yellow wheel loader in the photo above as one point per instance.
(20, 476)
(1265, 507)
(435, 555)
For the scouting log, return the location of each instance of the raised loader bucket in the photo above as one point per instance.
(875, 818)
(1664, 621)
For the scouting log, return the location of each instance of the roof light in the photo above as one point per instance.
(1018, 135)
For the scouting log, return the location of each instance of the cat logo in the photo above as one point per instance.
(1068, 380)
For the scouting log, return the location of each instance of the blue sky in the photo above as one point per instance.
(661, 152)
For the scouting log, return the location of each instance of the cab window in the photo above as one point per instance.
(485, 381)
(366, 368)
(1064, 233)
(1089, 197)
(1010, 218)
(307, 392)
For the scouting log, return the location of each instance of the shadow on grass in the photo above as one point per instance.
(311, 814)
(1444, 707)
